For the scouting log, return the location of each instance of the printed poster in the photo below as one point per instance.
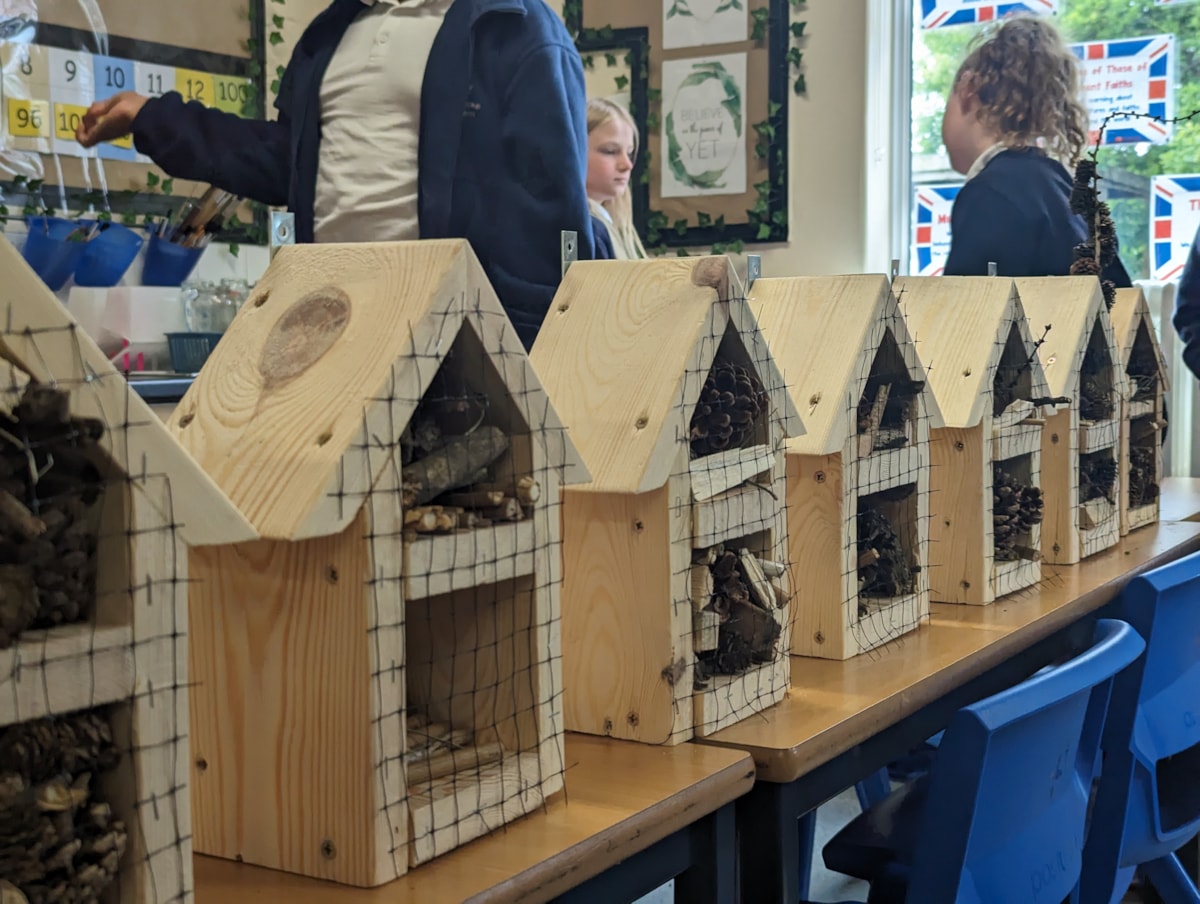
(694, 23)
(1175, 205)
(1134, 75)
(932, 241)
(944, 13)
(703, 126)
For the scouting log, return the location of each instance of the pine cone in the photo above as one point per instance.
(1085, 266)
(890, 575)
(1109, 288)
(730, 402)
(1083, 188)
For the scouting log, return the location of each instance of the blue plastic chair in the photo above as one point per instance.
(1001, 816)
(1148, 799)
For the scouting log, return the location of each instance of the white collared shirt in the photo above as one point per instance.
(982, 160)
(370, 103)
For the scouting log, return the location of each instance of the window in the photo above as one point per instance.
(1129, 169)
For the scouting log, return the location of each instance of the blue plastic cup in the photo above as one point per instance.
(107, 256)
(48, 251)
(167, 264)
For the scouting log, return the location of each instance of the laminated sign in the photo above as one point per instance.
(1131, 75)
(1176, 201)
(943, 13)
(932, 245)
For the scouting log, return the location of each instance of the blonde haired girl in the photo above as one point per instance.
(1013, 122)
(612, 149)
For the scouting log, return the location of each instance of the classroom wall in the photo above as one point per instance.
(828, 158)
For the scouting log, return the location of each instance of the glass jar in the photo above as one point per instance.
(199, 299)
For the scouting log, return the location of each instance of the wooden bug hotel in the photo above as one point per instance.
(675, 601)
(858, 479)
(1143, 412)
(1081, 444)
(376, 678)
(97, 506)
(985, 481)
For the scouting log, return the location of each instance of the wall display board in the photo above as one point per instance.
(58, 56)
(716, 78)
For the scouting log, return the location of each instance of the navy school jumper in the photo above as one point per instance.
(502, 153)
(1017, 213)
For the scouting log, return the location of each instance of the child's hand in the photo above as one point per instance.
(109, 119)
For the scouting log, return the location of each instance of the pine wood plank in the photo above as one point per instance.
(961, 480)
(619, 642)
(960, 325)
(280, 651)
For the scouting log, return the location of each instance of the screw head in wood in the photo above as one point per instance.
(633, 719)
(819, 477)
(202, 764)
(819, 637)
(331, 575)
(958, 447)
(638, 526)
(966, 585)
(608, 726)
(328, 851)
(967, 372)
(1054, 438)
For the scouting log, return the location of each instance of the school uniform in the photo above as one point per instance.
(1015, 211)
(499, 111)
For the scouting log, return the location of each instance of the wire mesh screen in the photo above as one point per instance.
(730, 595)
(93, 624)
(463, 589)
(1146, 433)
(886, 509)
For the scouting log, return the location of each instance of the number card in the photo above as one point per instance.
(153, 80)
(72, 87)
(28, 118)
(231, 93)
(193, 85)
(112, 77)
(26, 70)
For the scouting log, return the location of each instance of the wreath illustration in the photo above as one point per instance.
(682, 8)
(732, 102)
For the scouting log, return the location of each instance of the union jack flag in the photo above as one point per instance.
(944, 13)
(1173, 223)
(931, 243)
(1153, 61)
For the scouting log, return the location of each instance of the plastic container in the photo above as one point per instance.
(167, 264)
(107, 256)
(48, 251)
(189, 351)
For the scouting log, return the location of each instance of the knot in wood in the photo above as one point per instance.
(302, 336)
(641, 422)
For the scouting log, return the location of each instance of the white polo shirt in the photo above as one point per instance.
(370, 120)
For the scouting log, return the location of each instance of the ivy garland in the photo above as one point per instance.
(768, 225)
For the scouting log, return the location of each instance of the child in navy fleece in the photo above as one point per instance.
(1014, 116)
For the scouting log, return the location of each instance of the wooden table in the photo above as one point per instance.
(841, 721)
(633, 817)
(1180, 499)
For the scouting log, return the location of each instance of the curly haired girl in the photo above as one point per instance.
(1013, 122)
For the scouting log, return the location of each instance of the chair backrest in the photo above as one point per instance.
(1148, 800)
(1007, 805)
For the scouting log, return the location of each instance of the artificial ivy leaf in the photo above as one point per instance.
(610, 59)
(277, 21)
(622, 82)
(681, 226)
(275, 38)
(682, 252)
(168, 185)
(152, 179)
(703, 219)
(764, 231)
(737, 246)
(800, 86)
(798, 29)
